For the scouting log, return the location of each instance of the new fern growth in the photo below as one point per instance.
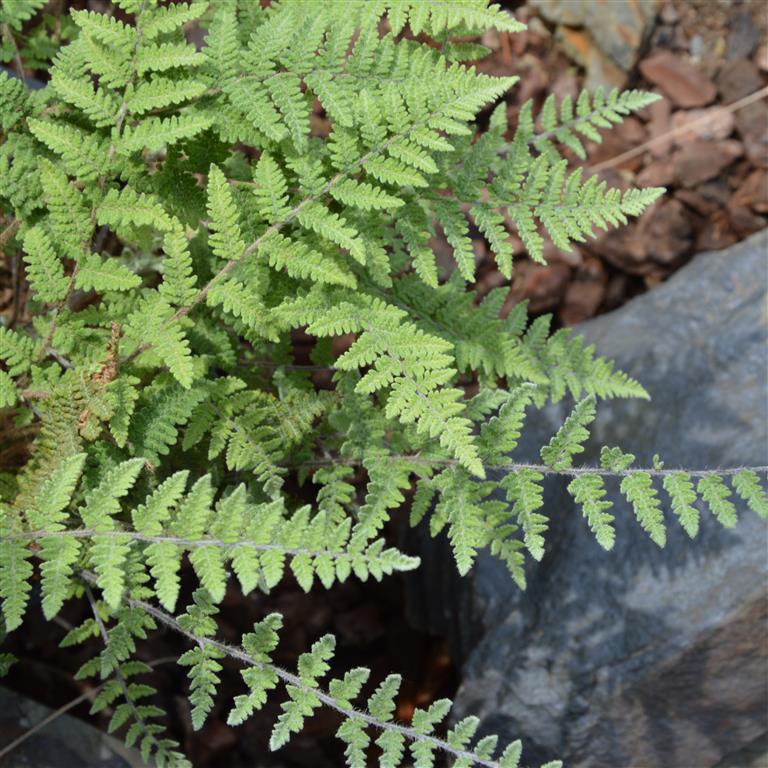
(179, 216)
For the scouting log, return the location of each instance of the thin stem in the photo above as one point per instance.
(239, 654)
(9, 232)
(8, 34)
(131, 536)
(59, 308)
(90, 694)
(680, 129)
(543, 468)
(118, 675)
(48, 719)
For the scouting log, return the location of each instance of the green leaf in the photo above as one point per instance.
(747, 485)
(45, 271)
(715, 492)
(569, 439)
(683, 496)
(227, 240)
(639, 490)
(589, 491)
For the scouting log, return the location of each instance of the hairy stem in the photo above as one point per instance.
(105, 639)
(239, 654)
(131, 536)
(513, 466)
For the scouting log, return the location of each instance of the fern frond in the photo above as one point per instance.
(569, 439)
(715, 493)
(747, 485)
(589, 491)
(95, 273)
(683, 496)
(585, 116)
(45, 271)
(15, 570)
(83, 155)
(639, 490)
(525, 493)
(70, 218)
(226, 241)
(165, 19)
(154, 133)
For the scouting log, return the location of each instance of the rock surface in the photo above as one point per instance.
(639, 656)
(603, 36)
(66, 742)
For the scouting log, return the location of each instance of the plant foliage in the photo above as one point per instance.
(180, 219)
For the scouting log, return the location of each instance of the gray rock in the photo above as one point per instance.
(65, 742)
(638, 657)
(743, 35)
(618, 29)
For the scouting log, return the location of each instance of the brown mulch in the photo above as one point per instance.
(702, 56)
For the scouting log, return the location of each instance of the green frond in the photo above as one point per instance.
(128, 208)
(45, 270)
(160, 57)
(99, 105)
(747, 485)
(589, 491)
(156, 319)
(15, 570)
(715, 493)
(154, 133)
(161, 92)
(442, 19)
(236, 290)
(166, 19)
(456, 230)
(525, 493)
(585, 116)
(14, 101)
(69, 216)
(8, 391)
(82, 154)
(109, 552)
(615, 460)
(179, 281)
(227, 240)
(105, 29)
(95, 273)
(683, 496)
(270, 189)
(203, 660)
(639, 490)
(332, 227)
(569, 439)
(14, 14)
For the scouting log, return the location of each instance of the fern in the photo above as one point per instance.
(570, 438)
(589, 491)
(638, 489)
(45, 271)
(563, 123)
(183, 221)
(715, 493)
(682, 494)
(747, 484)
